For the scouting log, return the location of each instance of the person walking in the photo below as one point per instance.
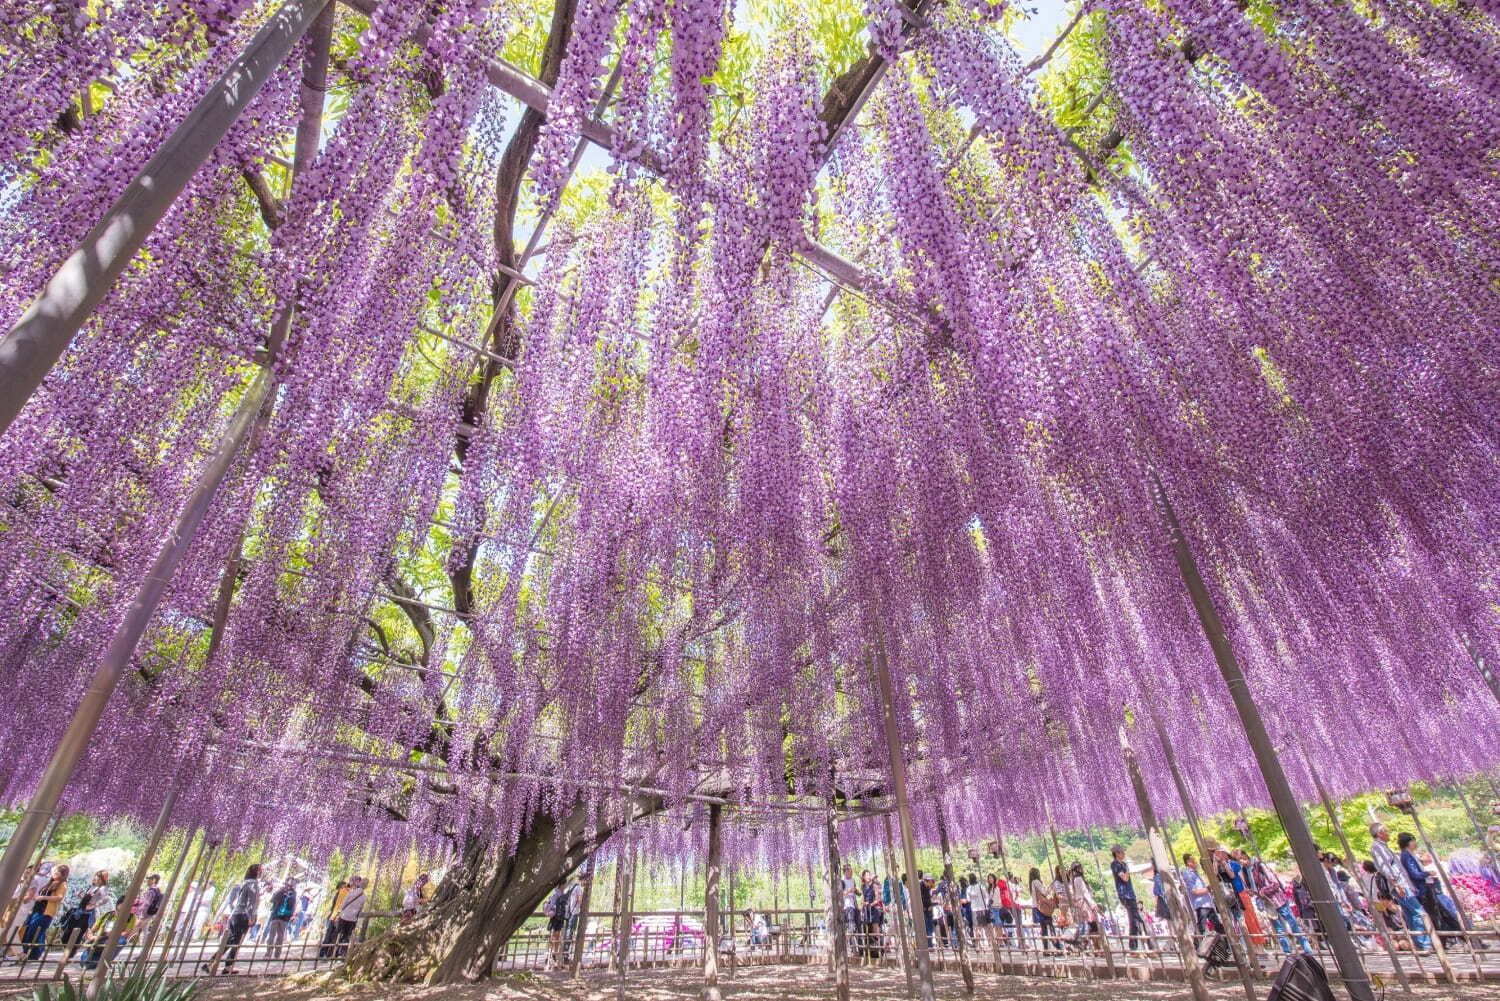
(1273, 896)
(872, 916)
(331, 930)
(1240, 872)
(348, 915)
(19, 910)
(146, 910)
(1043, 906)
(76, 922)
(573, 911)
(45, 903)
(1390, 866)
(924, 885)
(1085, 907)
(1119, 871)
(279, 921)
(244, 906)
(1426, 886)
(555, 910)
(977, 908)
(1205, 914)
(415, 898)
(1010, 912)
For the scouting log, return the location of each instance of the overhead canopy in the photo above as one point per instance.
(609, 435)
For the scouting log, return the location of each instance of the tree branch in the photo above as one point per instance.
(270, 206)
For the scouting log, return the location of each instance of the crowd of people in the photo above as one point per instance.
(1396, 898)
(51, 912)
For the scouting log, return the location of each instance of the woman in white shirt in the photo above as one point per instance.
(979, 906)
(1063, 917)
(1043, 906)
(1085, 908)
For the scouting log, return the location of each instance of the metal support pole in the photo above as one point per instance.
(116, 658)
(1180, 917)
(903, 814)
(838, 931)
(32, 347)
(1351, 967)
(965, 967)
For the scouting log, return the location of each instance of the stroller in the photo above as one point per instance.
(1214, 950)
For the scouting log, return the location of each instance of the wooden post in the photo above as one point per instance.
(1241, 948)
(1479, 832)
(903, 814)
(711, 905)
(133, 890)
(117, 656)
(1180, 917)
(897, 915)
(32, 347)
(965, 967)
(617, 908)
(1104, 890)
(1482, 665)
(580, 932)
(204, 870)
(622, 943)
(729, 925)
(1351, 862)
(1067, 883)
(838, 931)
(1351, 967)
(1437, 863)
(143, 949)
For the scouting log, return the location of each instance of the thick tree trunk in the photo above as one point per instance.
(482, 902)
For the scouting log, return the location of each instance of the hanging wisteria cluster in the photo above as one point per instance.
(1256, 260)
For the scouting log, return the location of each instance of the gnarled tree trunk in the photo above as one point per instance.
(484, 899)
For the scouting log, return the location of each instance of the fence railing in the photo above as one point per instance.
(668, 938)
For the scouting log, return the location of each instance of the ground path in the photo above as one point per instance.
(762, 983)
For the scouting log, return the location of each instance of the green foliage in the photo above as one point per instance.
(136, 987)
(77, 834)
(1441, 814)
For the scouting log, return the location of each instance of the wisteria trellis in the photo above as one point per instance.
(1265, 268)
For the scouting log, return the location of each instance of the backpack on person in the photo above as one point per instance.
(553, 905)
(283, 904)
(153, 901)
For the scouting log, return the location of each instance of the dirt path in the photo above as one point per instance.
(760, 983)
